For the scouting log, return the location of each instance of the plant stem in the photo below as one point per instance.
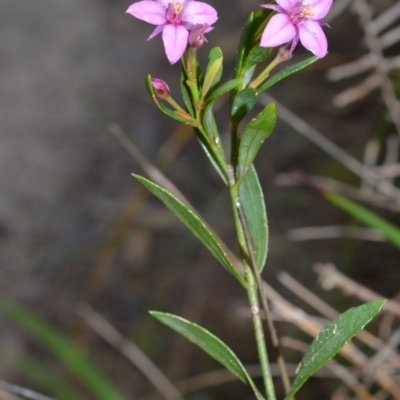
(251, 289)
(265, 305)
(259, 333)
(191, 72)
(283, 55)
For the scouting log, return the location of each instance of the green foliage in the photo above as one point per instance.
(389, 231)
(70, 357)
(286, 72)
(224, 88)
(253, 136)
(331, 339)
(213, 71)
(252, 201)
(257, 55)
(243, 103)
(185, 94)
(249, 52)
(211, 156)
(166, 110)
(194, 223)
(208, 342)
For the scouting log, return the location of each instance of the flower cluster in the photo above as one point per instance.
(184, 22)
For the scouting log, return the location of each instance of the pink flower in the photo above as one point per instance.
(174, 18)
(298, 20)
(161, 88)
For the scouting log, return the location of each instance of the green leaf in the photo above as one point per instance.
(258, 24)
(71, 358)
(194, 223)
(286, 72)
(243, 103)
(224, 88)
(389, 231)
(254, 134)
(252, 201)
(257, 54)
(208, 342)
(249, 39)
(213, 71)
(331, 339)
(247, 75)
(168, 111)
(206, 147)
(211, 128)
(185, 93)
(245, 37)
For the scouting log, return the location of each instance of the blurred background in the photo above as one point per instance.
(77, 230)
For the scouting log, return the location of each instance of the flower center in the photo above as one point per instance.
(174, 12)
(300, 13)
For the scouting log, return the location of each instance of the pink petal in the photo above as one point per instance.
(274, 7)
(279, 30)
(287, 5)
(148, 11)
(164, 3)
(156, 31)
(175, 39)
(199, 13)
(313, 38)
(319, 7)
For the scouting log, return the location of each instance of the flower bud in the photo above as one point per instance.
(196, 35)
(161, 89)
(285, 53)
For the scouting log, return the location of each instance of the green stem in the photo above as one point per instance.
(191, 71)
(259, 333)
(283, 55)
(252, 288)
(265, 305)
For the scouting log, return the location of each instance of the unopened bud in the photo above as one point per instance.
(196, 35)
(285, 53)
(161, 89)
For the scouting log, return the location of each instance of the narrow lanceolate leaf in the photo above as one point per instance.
(243, 103)
(70, 357)
(210, 155)
(245, 38)
(224, 88)
(388, 230)
(211, 128)
(213, 71)
(331, 339)
(185, 93)
(252, 201)
(254, 134)
(194, 223)
(208, 342)
(257, 54)
(287, 72)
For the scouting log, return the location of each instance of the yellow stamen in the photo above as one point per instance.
(178, 7)
(307, 12)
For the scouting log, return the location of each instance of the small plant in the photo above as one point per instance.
(183, 25)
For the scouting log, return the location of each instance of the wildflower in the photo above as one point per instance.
(174, 18)
(298, 20)
(161, 88)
